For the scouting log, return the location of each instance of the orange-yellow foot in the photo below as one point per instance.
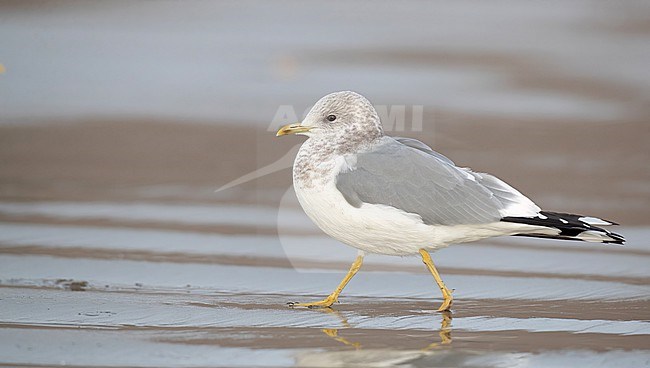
(446, 304)
(325, 303)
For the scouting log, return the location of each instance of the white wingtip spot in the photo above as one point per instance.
(594, 236)
(539, 215)
(595, 221)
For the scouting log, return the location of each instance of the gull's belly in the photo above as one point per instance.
(386, 230)
(371, 228)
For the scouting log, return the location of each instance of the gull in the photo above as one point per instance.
(397, 196)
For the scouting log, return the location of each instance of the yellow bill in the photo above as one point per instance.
(292, 129)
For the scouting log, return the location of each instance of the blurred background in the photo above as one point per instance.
(120, 119)
(165, 98)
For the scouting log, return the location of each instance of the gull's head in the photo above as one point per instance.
(339, 116)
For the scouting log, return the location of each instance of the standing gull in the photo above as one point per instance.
(396, 196)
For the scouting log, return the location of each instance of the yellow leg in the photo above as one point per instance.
(446, 294)
(334, 296)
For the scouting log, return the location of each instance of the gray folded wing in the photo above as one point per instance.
(415, 181)
(414, 143)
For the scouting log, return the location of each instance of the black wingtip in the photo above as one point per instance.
(618, 238)
(570, 226)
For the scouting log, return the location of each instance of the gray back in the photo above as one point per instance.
(420, 182)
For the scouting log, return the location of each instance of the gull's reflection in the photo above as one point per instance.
(334, 332)
(444, 333)
(367, 357)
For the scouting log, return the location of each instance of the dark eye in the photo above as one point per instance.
(331, 117)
